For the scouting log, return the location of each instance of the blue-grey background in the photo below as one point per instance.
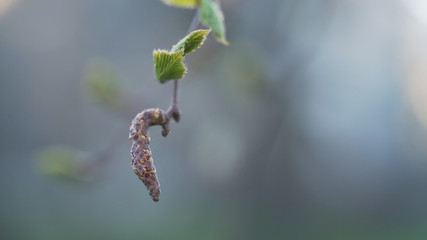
(310, 125)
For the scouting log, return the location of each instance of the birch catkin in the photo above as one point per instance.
(142, 162)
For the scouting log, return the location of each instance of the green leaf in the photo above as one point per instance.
(183, 3)
(191, 42)
(169, 66)
(210, 15)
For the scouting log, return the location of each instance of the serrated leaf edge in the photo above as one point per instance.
(216, 7)
(180, 58)
(203, 32)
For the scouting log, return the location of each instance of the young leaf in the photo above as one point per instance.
(191, 42)
(210, 15)
(183, 3)
(169, 66)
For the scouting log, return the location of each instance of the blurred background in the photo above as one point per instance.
(310, 125)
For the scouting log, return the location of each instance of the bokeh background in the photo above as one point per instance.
(310, 125)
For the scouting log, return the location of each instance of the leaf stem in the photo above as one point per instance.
(173, 110)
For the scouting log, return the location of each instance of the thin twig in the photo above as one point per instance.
(173, 110)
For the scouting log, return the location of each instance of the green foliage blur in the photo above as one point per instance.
(59, 161)
(103, 85)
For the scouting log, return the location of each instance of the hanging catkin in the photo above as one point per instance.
(142, 162)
